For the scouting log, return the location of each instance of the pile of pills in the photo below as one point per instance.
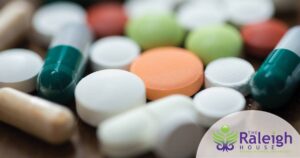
(150, 75)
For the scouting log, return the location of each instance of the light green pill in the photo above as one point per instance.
(155, 30)
(214, 42)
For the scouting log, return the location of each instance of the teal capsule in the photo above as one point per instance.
(276, 81)
(64, 64)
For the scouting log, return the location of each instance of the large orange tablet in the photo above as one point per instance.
(169, 70)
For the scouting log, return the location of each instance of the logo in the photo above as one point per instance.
(250, 134)
(225, 139)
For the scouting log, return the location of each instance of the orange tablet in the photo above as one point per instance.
(169, 70)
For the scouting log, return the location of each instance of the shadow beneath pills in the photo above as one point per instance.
(15, 144)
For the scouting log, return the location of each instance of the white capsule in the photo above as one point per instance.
(172, 105)
(19, 69)
(106, 93)
(128, 135)
(229, 72)
(15, 19)
(50, 18)
(48, 121)
(214, 103)
(153, 127)
(179, 137)
(113, 52)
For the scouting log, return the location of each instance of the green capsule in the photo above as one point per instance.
(64, 64)
(276, 81)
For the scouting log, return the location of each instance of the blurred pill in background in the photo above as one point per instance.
(107, 19)
(286, 6)
(169, 70)
(156, 127)
(261, 38)
(15, 19)
(114, 52)
(155, 30)
(217, 102)
(139, 8)
(194, 14)
(214, 42)
(50, 122)
(50, 19)
(106, 93)
(277, 79)
(243, 12)
(229, 72)
(19, 69)
(65, 63)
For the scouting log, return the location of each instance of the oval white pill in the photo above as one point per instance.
(195, 14)
(138, 8)
(179, 137)
(242, 12)
(19, 68)
(229, 72)
(105, 93)
(113, 52)
(50, 18)
(214, 103)
(127, 135)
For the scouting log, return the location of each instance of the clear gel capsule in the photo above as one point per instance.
(65, 63)
(277, 79)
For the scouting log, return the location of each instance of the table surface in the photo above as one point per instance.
(16, 144)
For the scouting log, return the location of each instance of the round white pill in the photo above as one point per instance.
(19, 68)
(127, 135)
(214, 103)
(179, 137)
(229, 72)
(195, 14)
(243, 12)
(138, 8)
(113, 52)
(50, 18)
(106, 93)
(172, 105)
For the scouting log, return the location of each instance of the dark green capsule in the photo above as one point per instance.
(276, 81)
(64, 64)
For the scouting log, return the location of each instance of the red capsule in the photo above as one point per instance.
(261, 38)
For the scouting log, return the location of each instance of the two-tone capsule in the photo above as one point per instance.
(65, 63)
(277, 79)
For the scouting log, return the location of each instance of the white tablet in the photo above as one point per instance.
(229, 72)
(243, 12)
(106, 93)
(19, 69)
(214, 103)
(113, 52)
(195, 14)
